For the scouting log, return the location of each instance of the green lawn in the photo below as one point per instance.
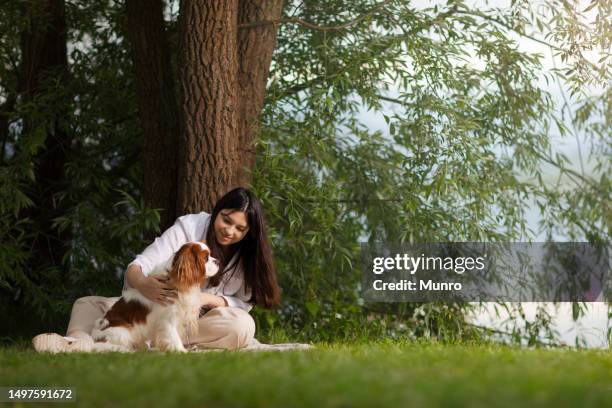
(379, 375)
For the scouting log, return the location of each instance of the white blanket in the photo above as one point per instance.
(255, 345)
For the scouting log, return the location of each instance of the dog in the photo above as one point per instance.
(135, 322)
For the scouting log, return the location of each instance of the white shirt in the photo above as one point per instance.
(193, 227)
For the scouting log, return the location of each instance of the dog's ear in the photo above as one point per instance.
(189, 265)
(200, 259)
(203, 253)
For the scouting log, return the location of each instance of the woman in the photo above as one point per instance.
(237, 239)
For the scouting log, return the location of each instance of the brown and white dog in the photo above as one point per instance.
(136, 322)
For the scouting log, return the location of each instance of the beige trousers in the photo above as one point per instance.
(221, 327)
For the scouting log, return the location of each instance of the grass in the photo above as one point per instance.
(388, 374)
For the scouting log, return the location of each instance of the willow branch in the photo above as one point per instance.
(521, 33)
(313, 26)
(574, 175)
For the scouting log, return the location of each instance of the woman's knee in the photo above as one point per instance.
(101, 303)
(237, 329)
(86, 300)
(243, 327)
(85, 311)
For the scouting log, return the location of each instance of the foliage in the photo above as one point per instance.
(106, 219)
(463, 128)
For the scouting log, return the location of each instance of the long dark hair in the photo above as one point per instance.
(253, 250)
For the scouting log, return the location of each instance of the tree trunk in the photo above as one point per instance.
(157, 105)
(44, 57)
(255, 48)
(224, 73)
(208, 64)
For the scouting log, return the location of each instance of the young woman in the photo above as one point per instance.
(236, 235)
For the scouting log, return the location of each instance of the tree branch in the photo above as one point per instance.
(313, 26)
(522, 34)
(573, 175)
(508, 27)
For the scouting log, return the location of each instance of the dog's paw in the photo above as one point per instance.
(177, 348)
(171, 347)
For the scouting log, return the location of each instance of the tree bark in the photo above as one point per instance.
(208, 64)
(157, 105)
(44, 57)
(224, 73)
(255, 48)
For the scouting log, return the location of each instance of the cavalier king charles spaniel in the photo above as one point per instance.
(136, 322)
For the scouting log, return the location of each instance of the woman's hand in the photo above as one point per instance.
(210, 301)
(156, 289)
